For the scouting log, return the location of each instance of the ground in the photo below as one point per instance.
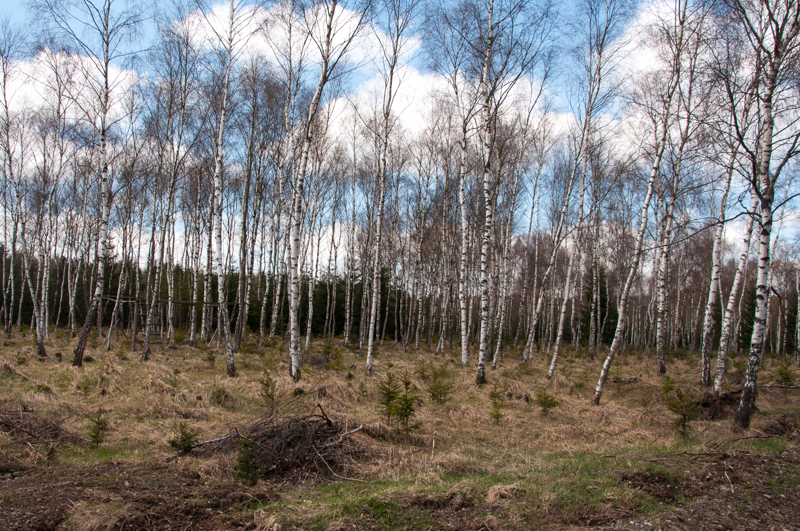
(87, 448)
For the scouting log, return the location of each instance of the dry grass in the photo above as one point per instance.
(146, 398)
(472, 458)
(96, 516)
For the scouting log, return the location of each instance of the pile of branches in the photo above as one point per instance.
(295, 446)
(26, 427)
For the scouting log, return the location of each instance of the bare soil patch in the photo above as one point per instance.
(129, 496)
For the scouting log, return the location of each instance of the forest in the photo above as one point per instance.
(313, 187)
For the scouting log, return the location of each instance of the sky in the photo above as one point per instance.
(418, 83)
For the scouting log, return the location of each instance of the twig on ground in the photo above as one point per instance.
(729, 482)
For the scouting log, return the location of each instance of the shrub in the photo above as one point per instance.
(785, 375)
(440, 386)
(388, 391)
(98, 426)
(180, 335)
(424, 371)
(404, 406)
(248, 347)
(667, 386)
(496, 397)
(219, 395)
(247, 467)
(269, 391)
(185, 438)
(686, 408)
(332, 355)
(545, 401)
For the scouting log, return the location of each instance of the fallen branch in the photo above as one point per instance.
(12, 370)
(729, 482)
(334, 473)
(754, 437)
(342, 436)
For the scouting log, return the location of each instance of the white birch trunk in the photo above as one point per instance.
(716, 251)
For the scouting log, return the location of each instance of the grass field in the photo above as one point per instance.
(87, 448)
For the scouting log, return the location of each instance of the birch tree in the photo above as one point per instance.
(660, 114)
(600, 25)
(99, 32)
(11, 42)
(332, 32)
(767, 32)
(174, 133)
(508, 40)
(399, 15)
(229, 41)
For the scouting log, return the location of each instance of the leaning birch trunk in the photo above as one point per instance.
(297, 197)
(713, 288)
(742, 417)
(37, 307)
(616, 344)
(661, 141)
(105, 200)
(619, 338)
(583, 153)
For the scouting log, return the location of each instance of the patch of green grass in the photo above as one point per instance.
(773, 445)
(81, 456)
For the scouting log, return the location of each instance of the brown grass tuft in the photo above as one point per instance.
(93, 516)
(455, 464)
(497, 494)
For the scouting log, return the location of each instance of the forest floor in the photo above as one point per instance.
(485, 458)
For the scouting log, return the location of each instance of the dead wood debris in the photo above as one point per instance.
(298, 446)
(26, 427)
